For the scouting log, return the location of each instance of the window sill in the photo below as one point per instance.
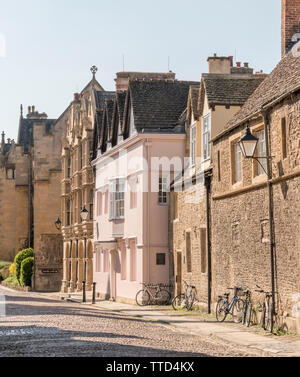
(237, 185)
(260, 178)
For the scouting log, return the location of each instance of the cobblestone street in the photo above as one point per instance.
(37, 326)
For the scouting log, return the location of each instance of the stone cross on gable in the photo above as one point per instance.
(94, 70)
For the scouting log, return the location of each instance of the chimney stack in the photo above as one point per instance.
(290, 24)
(220, 64)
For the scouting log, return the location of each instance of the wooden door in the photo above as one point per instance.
(179, 273)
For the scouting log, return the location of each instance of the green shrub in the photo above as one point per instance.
(26, 253)
(26, 272)
(12, 280)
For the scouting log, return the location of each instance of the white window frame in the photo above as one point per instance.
(162, 191)
(117, 199)
(193, 135)
(206, 132)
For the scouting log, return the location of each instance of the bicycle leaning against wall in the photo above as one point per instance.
(267, 310)
(235, 307)
(185, 300)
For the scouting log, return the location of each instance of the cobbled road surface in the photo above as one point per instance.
(40, 327)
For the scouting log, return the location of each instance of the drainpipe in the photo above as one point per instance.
(148, 207)
(30, 206)
(208, 227)
(271, 212)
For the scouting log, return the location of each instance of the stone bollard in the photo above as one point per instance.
(83, 292)
(94, 293)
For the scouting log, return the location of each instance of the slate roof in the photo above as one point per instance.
(6, 149)
(101, 97)
(120, 101)
(25, 130)
(97, 131)
(222, 89)
(158, 104)
(284, 79)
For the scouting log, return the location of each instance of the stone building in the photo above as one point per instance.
(30, 174)
(244, 237)
(220, 95)
(77, 185)
(131, 237)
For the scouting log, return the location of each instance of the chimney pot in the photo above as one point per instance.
(246, 65)
(238, 64)
(33, 109)
(76, 96)
(29, 109)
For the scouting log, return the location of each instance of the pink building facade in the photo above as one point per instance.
(140, 148)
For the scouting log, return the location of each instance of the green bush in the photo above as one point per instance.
(26, 253)
(12, 280)
(26, 272)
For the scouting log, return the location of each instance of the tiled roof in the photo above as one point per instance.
(120, 100)
(222, 89)
(97, 131)
(283, 79)
(158, 104)
(25, 129)
(101, 97)
(6, 149)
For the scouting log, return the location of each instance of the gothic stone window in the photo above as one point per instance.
(10, 173)
(261, 152)
(236, 162)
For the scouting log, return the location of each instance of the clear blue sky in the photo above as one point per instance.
(51, 44)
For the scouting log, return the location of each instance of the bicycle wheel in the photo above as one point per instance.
(268, 318)
(245, 310)
(190, 299)
(248, 314)
(221, 310)
(142, 298)
(237, 311)
(179, 302)
(163, 297)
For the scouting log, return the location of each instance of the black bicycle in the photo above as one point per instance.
(153, 293)
(235, 307)
(247, 309)
(267, 310)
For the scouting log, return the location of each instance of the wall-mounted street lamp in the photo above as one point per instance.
(248, 144)
(58, 224)
(84, 214)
